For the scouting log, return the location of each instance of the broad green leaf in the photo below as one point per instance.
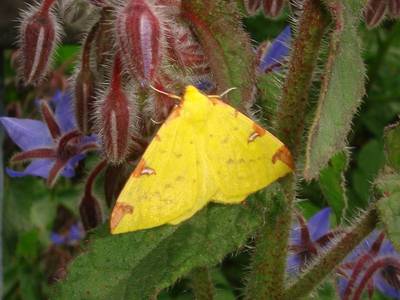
(28, 245)
(137, 265)
(332, 183)
(341, 91)
(389, 205)
(392, 146)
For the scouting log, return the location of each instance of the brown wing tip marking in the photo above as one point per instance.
(157, 138)
(142, 169)
(176, 112)
(283, 154)
(258, 131)
(119, 211)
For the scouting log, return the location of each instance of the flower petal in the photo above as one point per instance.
(38, 167)
(27, 134)
(278, 50)
(319, 224)
(293, 265)
(64, 111)
(382, 285)
(69, 169)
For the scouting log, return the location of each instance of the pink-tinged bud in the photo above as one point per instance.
(103, 40)
(139, 36)
(252, 6)
(394, 8)
(273, 8)
(90, 212)
(38, 36)
(85, 100)
(85, 87)
(114, 118)
(374, 12)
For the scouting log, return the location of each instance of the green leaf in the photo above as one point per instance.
(341, 91)
(392, 146)
(332, 183)
(389, 206)
(138, 265)
(226, 44)
(28, 245)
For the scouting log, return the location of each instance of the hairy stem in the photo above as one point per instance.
(201, 284)
(266, 279)
(318, 271)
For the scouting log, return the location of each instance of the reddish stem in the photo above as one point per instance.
(378, 264)
(88, 45)
(360, 264)
(116, 73)
(92, 176)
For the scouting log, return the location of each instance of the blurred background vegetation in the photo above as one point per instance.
(31, 212)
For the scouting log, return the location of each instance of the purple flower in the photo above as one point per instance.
(271, 55)
(74, 234)
(308, 239)
(54, 146)
(374, 264)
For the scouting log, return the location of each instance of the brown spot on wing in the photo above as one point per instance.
(139, 168)
(258, 131)
(119, 211)
(157, 137)
(283, 154)
(142, 169)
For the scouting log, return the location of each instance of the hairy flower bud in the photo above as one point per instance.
(252, 6)
(139, 37)
(85, 87)
(273, 8)
(38, 37)
(374, 12)
(114, 118)
(394, 8)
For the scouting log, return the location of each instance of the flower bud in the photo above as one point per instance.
(85, 87)
(90, 211)
(139, 37)
(252, 6)
(374, 12)
(38, 37)
(114, 118)
(273, 8)
(394, 8)
(84, 100)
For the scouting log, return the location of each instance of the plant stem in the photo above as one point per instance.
(326, 263)
(267, 276)
(201, 283)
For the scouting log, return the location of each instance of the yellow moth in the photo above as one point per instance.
(206, 151)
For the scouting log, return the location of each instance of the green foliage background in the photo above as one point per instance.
(30, 208)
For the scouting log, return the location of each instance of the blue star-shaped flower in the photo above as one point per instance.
(374, 264)
(54, 146)
(308, 239)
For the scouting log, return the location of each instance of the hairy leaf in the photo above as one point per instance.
(392, 146)
(341, 91)
(332, 183)
(138, 265)
(226, 44)
(389, 206)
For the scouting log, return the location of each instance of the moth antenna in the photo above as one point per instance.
(165, 93)
(155, 122)
(223, 94)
